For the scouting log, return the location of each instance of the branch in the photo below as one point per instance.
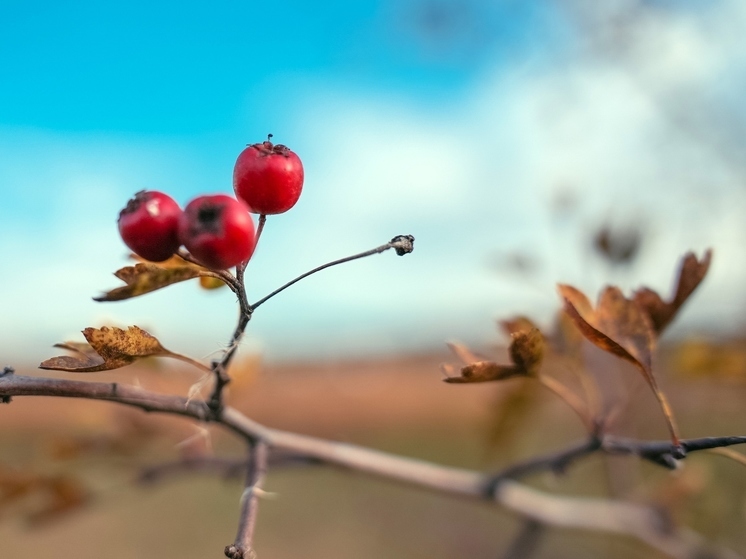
(242, 548)
(643, 523)
(404, 244)
(227, 468)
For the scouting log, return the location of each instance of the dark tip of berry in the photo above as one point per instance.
(135, 202)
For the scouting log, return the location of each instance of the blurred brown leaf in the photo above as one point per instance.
(619, 326)
(515, 408)
(691, 274)
(64, 494)
(145, 277)
(50, 495)
(210, 282)
(107, 349)
(526, 351)
(619, 246)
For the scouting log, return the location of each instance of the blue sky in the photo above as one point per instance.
(455, 120)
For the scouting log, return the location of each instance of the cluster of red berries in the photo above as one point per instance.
(216, 229)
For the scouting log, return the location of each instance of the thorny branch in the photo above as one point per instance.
(646, 524)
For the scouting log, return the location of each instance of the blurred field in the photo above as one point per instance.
(396, 404)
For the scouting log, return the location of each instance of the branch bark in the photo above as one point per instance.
(641, 522)
(243, 547)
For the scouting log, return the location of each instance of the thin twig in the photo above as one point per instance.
(556, 462)
(243, 547)
(404, 244)
(260, 228)
(224, 275)
(227, 468)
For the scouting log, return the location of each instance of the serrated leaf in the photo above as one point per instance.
(691, 274)
(107, 349)
(146, 277)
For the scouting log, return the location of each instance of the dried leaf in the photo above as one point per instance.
(619, 326)
(145, 277)
(107, 349)
(210, 282)
(691, 274)
(484, 371)
(526, 351)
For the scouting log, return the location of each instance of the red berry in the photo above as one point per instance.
(268, 177)
(149, 225)
(217, 230)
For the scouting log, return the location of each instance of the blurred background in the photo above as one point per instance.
(522, 143)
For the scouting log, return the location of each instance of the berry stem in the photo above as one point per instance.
(404, 244)
(260, 228)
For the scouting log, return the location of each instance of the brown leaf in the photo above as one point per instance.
(619, 326)
(526, 351)
(691, 274)
(107, 349)
(483, 371)
(48, 496)
(63, 494)
(210, 282)
(145, 277)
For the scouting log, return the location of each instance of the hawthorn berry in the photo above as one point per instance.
(217, 230)
(148, 225)
(268, 177)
